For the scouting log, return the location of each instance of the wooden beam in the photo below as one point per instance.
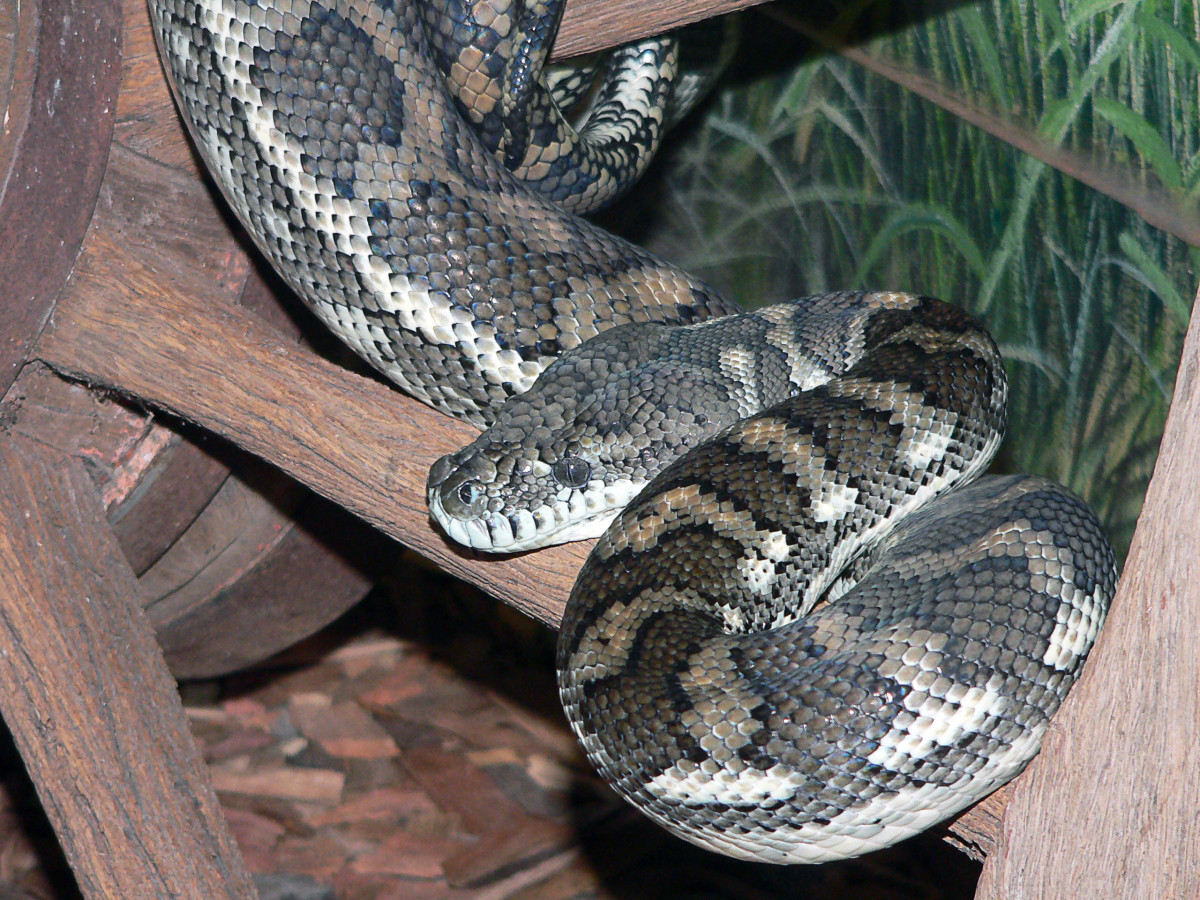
(1109, 809)
(589, 25)
(87, 697)
(58, 88)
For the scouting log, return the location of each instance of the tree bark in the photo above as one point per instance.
(88, 699)
(1109, 808)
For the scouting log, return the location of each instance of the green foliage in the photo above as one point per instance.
(827, 176)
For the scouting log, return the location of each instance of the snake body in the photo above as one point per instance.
(613, 412)
(803, 638)
(492, 64)
(330, 133)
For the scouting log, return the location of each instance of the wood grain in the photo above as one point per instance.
(54, 134)
(1110, 807)
(589, 25)
(152, 483)
(88, 699)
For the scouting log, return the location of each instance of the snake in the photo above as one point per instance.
(811, 625)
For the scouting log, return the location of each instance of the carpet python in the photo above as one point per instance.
(806, 633)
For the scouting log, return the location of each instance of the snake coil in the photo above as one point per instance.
(809, 635)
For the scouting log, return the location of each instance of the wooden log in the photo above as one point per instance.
(232, 567)
(1109, 809)
(88, 699)
(260, 579)
(589, 25)
(152, 483)
(60, 87)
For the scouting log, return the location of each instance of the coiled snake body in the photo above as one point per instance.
(949, 622)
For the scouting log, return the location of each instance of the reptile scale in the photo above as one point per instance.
(810, 629)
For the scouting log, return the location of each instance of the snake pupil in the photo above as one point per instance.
(468, 491)
(571, 471)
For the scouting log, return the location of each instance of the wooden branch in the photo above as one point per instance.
(589, 25)
(1109, 809)
(974, 830)
(58, 86)
(87, 696)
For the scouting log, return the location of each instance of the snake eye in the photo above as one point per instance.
(468, 492)
(571, 471)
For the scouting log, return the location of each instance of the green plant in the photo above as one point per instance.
(828, 175)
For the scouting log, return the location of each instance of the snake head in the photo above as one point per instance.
(520, 503)
(506, 492)
(561, 460)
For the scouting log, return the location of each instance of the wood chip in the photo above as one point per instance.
(310, 785)
(342, 729)
(410, 855)
(454, 785)
(503, 853)
(386, 804)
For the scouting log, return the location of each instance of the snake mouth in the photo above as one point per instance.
(584, 515)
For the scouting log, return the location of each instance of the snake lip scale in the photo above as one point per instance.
(811, 629)
(571, 517)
